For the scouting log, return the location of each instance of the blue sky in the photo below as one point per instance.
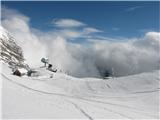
(115, 19)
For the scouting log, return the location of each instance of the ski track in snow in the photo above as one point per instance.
(123, 115)
(149, 91)
(81, 110)
(112, 111)
(90, 101)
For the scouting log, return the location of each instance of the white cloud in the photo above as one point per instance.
(133, 8)
(128, 56)
(18, 25)
(69, 34)
(136, 56)
(67, 23)
(89, 30)
(72, 34)
(71, 29)
(115, 29)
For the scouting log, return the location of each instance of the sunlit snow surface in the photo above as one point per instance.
(63, 96)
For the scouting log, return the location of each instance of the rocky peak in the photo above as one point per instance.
(10, 52)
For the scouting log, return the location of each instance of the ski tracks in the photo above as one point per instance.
(81, 110)
(85, 99)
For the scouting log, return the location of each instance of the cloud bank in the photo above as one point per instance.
(93, 58)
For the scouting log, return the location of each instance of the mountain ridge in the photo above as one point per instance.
(10, 51)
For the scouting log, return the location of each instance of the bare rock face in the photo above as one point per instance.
(10, 52)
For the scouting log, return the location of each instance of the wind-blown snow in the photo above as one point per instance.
(63, 96)
(93, 58)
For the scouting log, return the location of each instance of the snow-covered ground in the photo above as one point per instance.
(56, 95)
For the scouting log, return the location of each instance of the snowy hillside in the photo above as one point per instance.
(56, 95)
(10, 52)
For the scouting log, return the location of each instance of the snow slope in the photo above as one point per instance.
(63, 96)
(10, 52)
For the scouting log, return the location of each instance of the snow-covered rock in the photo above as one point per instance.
(10, 52)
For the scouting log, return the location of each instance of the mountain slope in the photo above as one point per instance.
(57, 95)
(10, 52)
(63, 96)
